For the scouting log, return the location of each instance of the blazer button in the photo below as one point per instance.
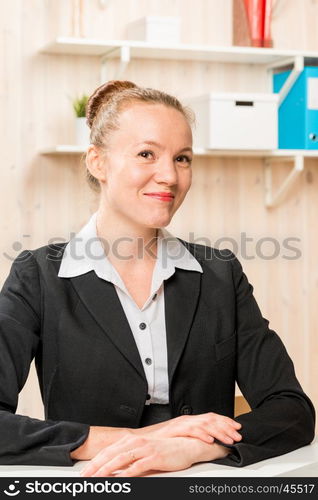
(186, 410)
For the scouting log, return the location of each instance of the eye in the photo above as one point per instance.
(184, 159)
(145, 154)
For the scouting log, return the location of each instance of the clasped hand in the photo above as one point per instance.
(172, 445)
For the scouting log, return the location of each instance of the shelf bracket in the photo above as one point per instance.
(298, 66)
(124, 58)
(272, 200)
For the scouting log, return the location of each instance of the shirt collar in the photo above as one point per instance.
(84, 253)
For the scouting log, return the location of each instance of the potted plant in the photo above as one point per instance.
(82, 129)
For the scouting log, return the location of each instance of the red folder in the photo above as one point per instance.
(255, 14)
(267, 42)
(252, 22)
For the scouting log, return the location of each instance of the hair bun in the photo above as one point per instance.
(102, 94)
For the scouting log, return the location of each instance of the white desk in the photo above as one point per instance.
(300, 463)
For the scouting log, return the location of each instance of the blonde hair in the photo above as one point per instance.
(106, 103)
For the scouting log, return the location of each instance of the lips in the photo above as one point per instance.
(162, 196)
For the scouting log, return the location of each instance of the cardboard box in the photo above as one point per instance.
(155, 29)
(235, 121)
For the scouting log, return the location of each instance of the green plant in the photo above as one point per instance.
(79, 105)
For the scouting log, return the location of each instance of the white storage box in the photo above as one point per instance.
(235, 121)
(156, 29)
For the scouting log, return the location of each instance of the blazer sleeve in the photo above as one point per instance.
(282, 417)
(25, 440)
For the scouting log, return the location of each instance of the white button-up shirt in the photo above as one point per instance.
(85, 253)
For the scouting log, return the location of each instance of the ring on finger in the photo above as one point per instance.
(131, 453)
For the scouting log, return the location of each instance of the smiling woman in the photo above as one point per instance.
(139, 336)
(140, 157)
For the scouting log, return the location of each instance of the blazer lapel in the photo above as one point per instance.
(182, 292)
(101, 299)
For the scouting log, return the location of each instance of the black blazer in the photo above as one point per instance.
(90, 372)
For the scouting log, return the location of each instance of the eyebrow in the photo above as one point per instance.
(154, 143)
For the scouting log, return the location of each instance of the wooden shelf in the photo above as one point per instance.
(193, 52)
(63, 149)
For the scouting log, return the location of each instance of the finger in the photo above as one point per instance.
(206, 433)
(139, 467)
(194, 431)
(110, 452)
(220, 423)
(225, 439)
(230, 432)
(233, 433)
(198, 433)
(229, 420)
(222, 436)
(236, 436)
(227, 429)
(94, 464)
(122, 461)
(237, 424)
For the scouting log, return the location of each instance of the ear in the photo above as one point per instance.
(95, 162)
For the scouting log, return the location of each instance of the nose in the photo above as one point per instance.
(166, 172)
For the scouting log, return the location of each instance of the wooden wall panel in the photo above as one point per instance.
(294, 24)
(46, 197)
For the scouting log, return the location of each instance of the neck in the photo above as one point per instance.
(125, 241)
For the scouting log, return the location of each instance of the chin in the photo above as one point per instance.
(160, 221)
(155, 223)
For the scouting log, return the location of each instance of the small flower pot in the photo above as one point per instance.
(82, 132)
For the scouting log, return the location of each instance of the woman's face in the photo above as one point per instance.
(151, 152)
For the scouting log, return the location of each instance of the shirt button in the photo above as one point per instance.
(154, 297)
(142, 326)
(148, 361)
(148, 396)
